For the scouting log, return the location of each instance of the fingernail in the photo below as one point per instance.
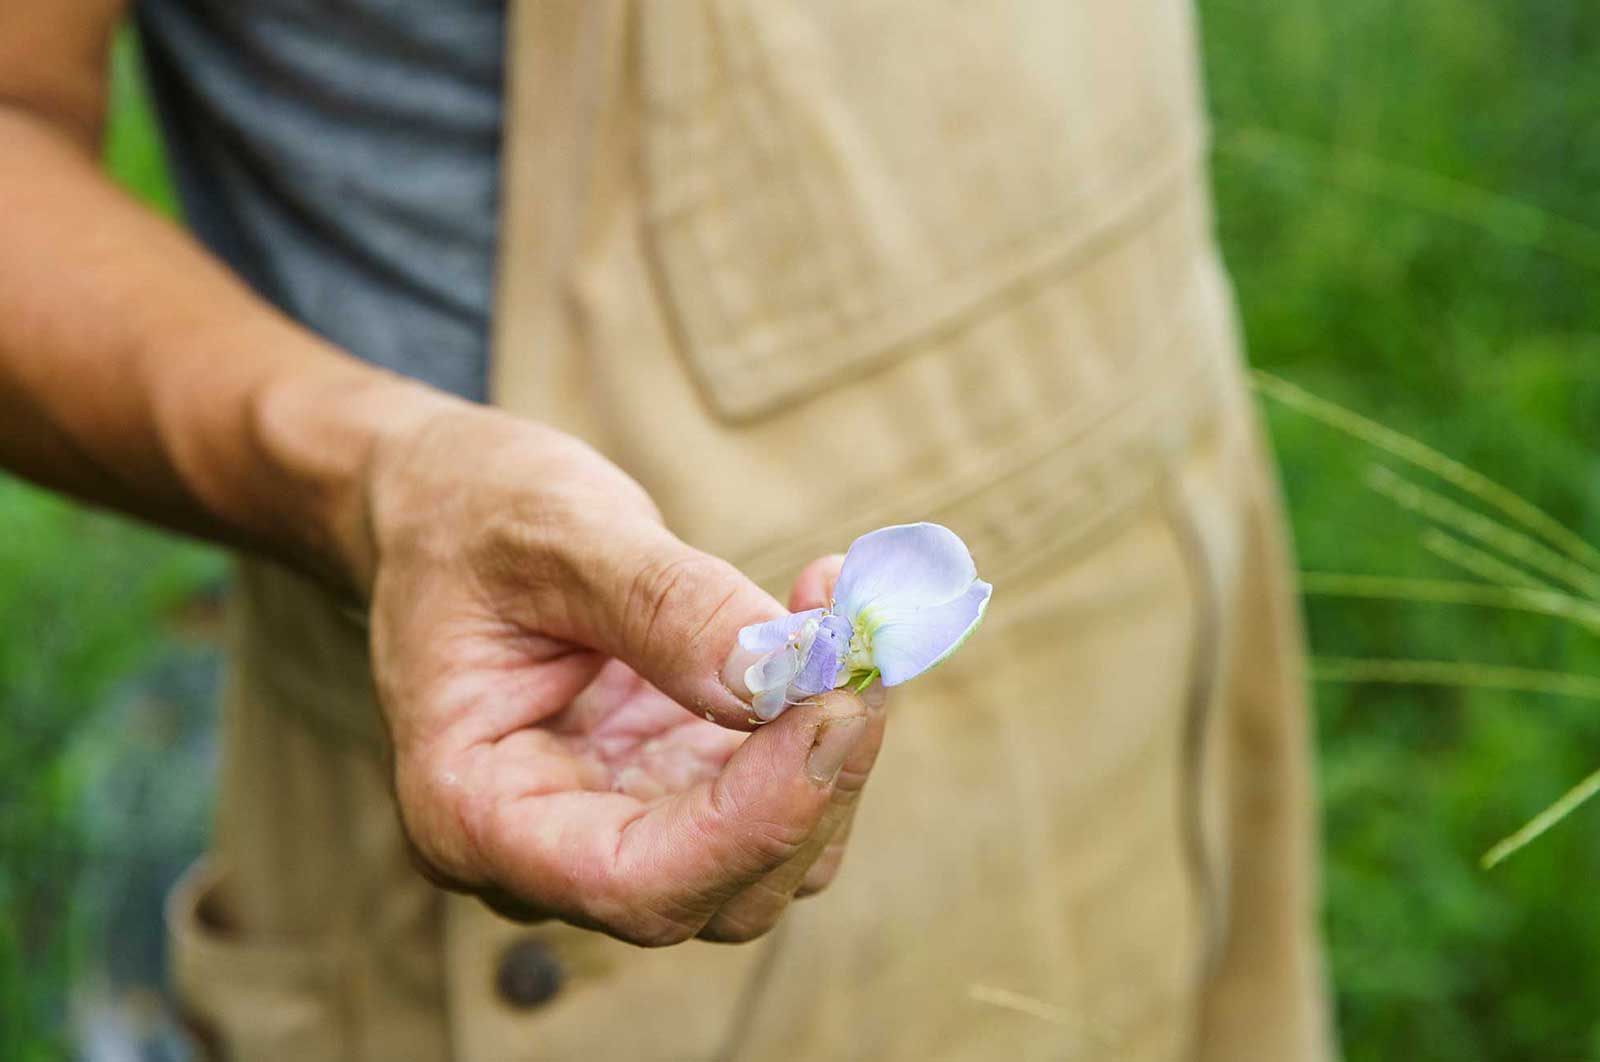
(733, 669)
(831, 748)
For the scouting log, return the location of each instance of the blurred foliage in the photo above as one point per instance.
(1405, 198)
(99, 698)
(132, 142)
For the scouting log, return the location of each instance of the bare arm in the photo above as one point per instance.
(135, 370)
(523, 595)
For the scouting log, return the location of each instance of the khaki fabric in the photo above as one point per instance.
(805, 269)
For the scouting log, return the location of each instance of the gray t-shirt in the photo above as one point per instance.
(343, 157)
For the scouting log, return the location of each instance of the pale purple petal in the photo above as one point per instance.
(903, 567)
(769, 704)
(821, 667)
(908, 642)
(774, 671)
(764, 637)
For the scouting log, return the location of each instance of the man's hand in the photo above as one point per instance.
(546, 652)
(569, 727)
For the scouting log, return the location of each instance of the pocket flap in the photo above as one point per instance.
(828, 182)
(250, 997)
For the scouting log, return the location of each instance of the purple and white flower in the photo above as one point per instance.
(907, 597)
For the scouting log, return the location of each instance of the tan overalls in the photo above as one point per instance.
(805, 268)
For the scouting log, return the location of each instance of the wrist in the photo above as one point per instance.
(324, 431)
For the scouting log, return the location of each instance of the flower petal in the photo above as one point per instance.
(764, 637)
(908, 642)
(821, 667)
(769, 704)
(773, 671)
(907, 566)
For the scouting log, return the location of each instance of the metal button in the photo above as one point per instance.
(528, 976)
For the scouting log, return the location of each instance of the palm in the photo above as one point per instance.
(551, 779)
(621, 734)
(554, 719)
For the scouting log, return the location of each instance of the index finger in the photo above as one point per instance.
(813, 587)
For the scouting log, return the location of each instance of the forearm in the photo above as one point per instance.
(137, 372)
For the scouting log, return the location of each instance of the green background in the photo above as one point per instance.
(1405, 193)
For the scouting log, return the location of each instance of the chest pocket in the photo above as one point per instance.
(829, 181)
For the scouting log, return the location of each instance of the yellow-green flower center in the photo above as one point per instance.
(858, 658)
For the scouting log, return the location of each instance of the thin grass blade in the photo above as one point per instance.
(1454, 674)
(1452, 592)
(1519, 547)
(1420, 455)
(1569, 802)
(1484, 565)
(1506, 218)
(1019, 1003)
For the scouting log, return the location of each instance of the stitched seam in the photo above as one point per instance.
(740, 381)
(750, 384)
(1095, 435)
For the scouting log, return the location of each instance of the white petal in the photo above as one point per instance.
(903, 567)
(764, 637)
(773, 671)
(907, 642)
(769, 704)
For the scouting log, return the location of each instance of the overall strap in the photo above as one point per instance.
(562, 56)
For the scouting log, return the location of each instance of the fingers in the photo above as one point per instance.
(821, 873)
(813, 588)
(656, 874)
(755, 910)
(673, 614)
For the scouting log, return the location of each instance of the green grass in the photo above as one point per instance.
(90, 674)
(1405, 192)
(1406, 200)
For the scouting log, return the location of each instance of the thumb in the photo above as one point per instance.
(673, 613)
(710, 843)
